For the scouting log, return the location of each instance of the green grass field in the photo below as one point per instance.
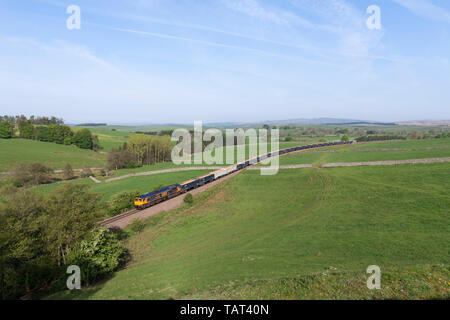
(254, 237)
(414, 149)
(53, 155)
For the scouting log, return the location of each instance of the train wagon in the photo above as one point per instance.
(151, 198)
(205, 179)
(189, 185)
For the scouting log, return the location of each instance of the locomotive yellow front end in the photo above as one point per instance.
(140, 203)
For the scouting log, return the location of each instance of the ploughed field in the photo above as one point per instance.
(303, 233)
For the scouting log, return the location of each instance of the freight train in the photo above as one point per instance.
(152, 198)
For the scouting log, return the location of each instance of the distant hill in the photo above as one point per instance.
(91, 125)
(425, 123)
(313, 121)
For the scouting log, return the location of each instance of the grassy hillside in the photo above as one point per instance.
(373, 151)
(300, 234)
(51, 154)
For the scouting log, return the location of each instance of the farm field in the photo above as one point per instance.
(372, 151)
(308, 233)
(109, 139)
(53, 155)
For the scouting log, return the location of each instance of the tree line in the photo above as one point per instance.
(32, 119)
(380, 138)
(57, 133)
(140, 150)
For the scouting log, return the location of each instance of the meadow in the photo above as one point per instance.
(303, 233)
(372, 151)
(53, 155)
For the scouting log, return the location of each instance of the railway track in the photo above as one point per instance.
(113, 221)
(107, 222)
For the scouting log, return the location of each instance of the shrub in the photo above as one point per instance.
(100, 254)
(122, 202)
(137, 225)
(68, 172)
(189, 199)
(31, 174)
(86, 173)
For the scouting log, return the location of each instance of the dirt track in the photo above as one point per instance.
(384, 163)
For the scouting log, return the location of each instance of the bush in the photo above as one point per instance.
(122, 202)
(68, 172)
(31, 174)
(100, 254)
(86, 173)
(189, 199)
(137, 225)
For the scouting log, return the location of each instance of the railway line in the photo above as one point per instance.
(163, 200)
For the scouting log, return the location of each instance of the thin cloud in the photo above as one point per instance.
(62, 47)
(217, 30)
(210, 43)
(426, 9)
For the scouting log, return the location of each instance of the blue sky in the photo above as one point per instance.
(162, 61)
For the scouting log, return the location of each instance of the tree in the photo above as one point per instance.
(73, 212)
(43, 133)
(150, 149)
(99, 254)
(96, 143)
(83, 139)
(6, 130)
(121, 158)
(40, 235)
(344, 138)
(68, 172)
(26, 130)
(59, 133)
